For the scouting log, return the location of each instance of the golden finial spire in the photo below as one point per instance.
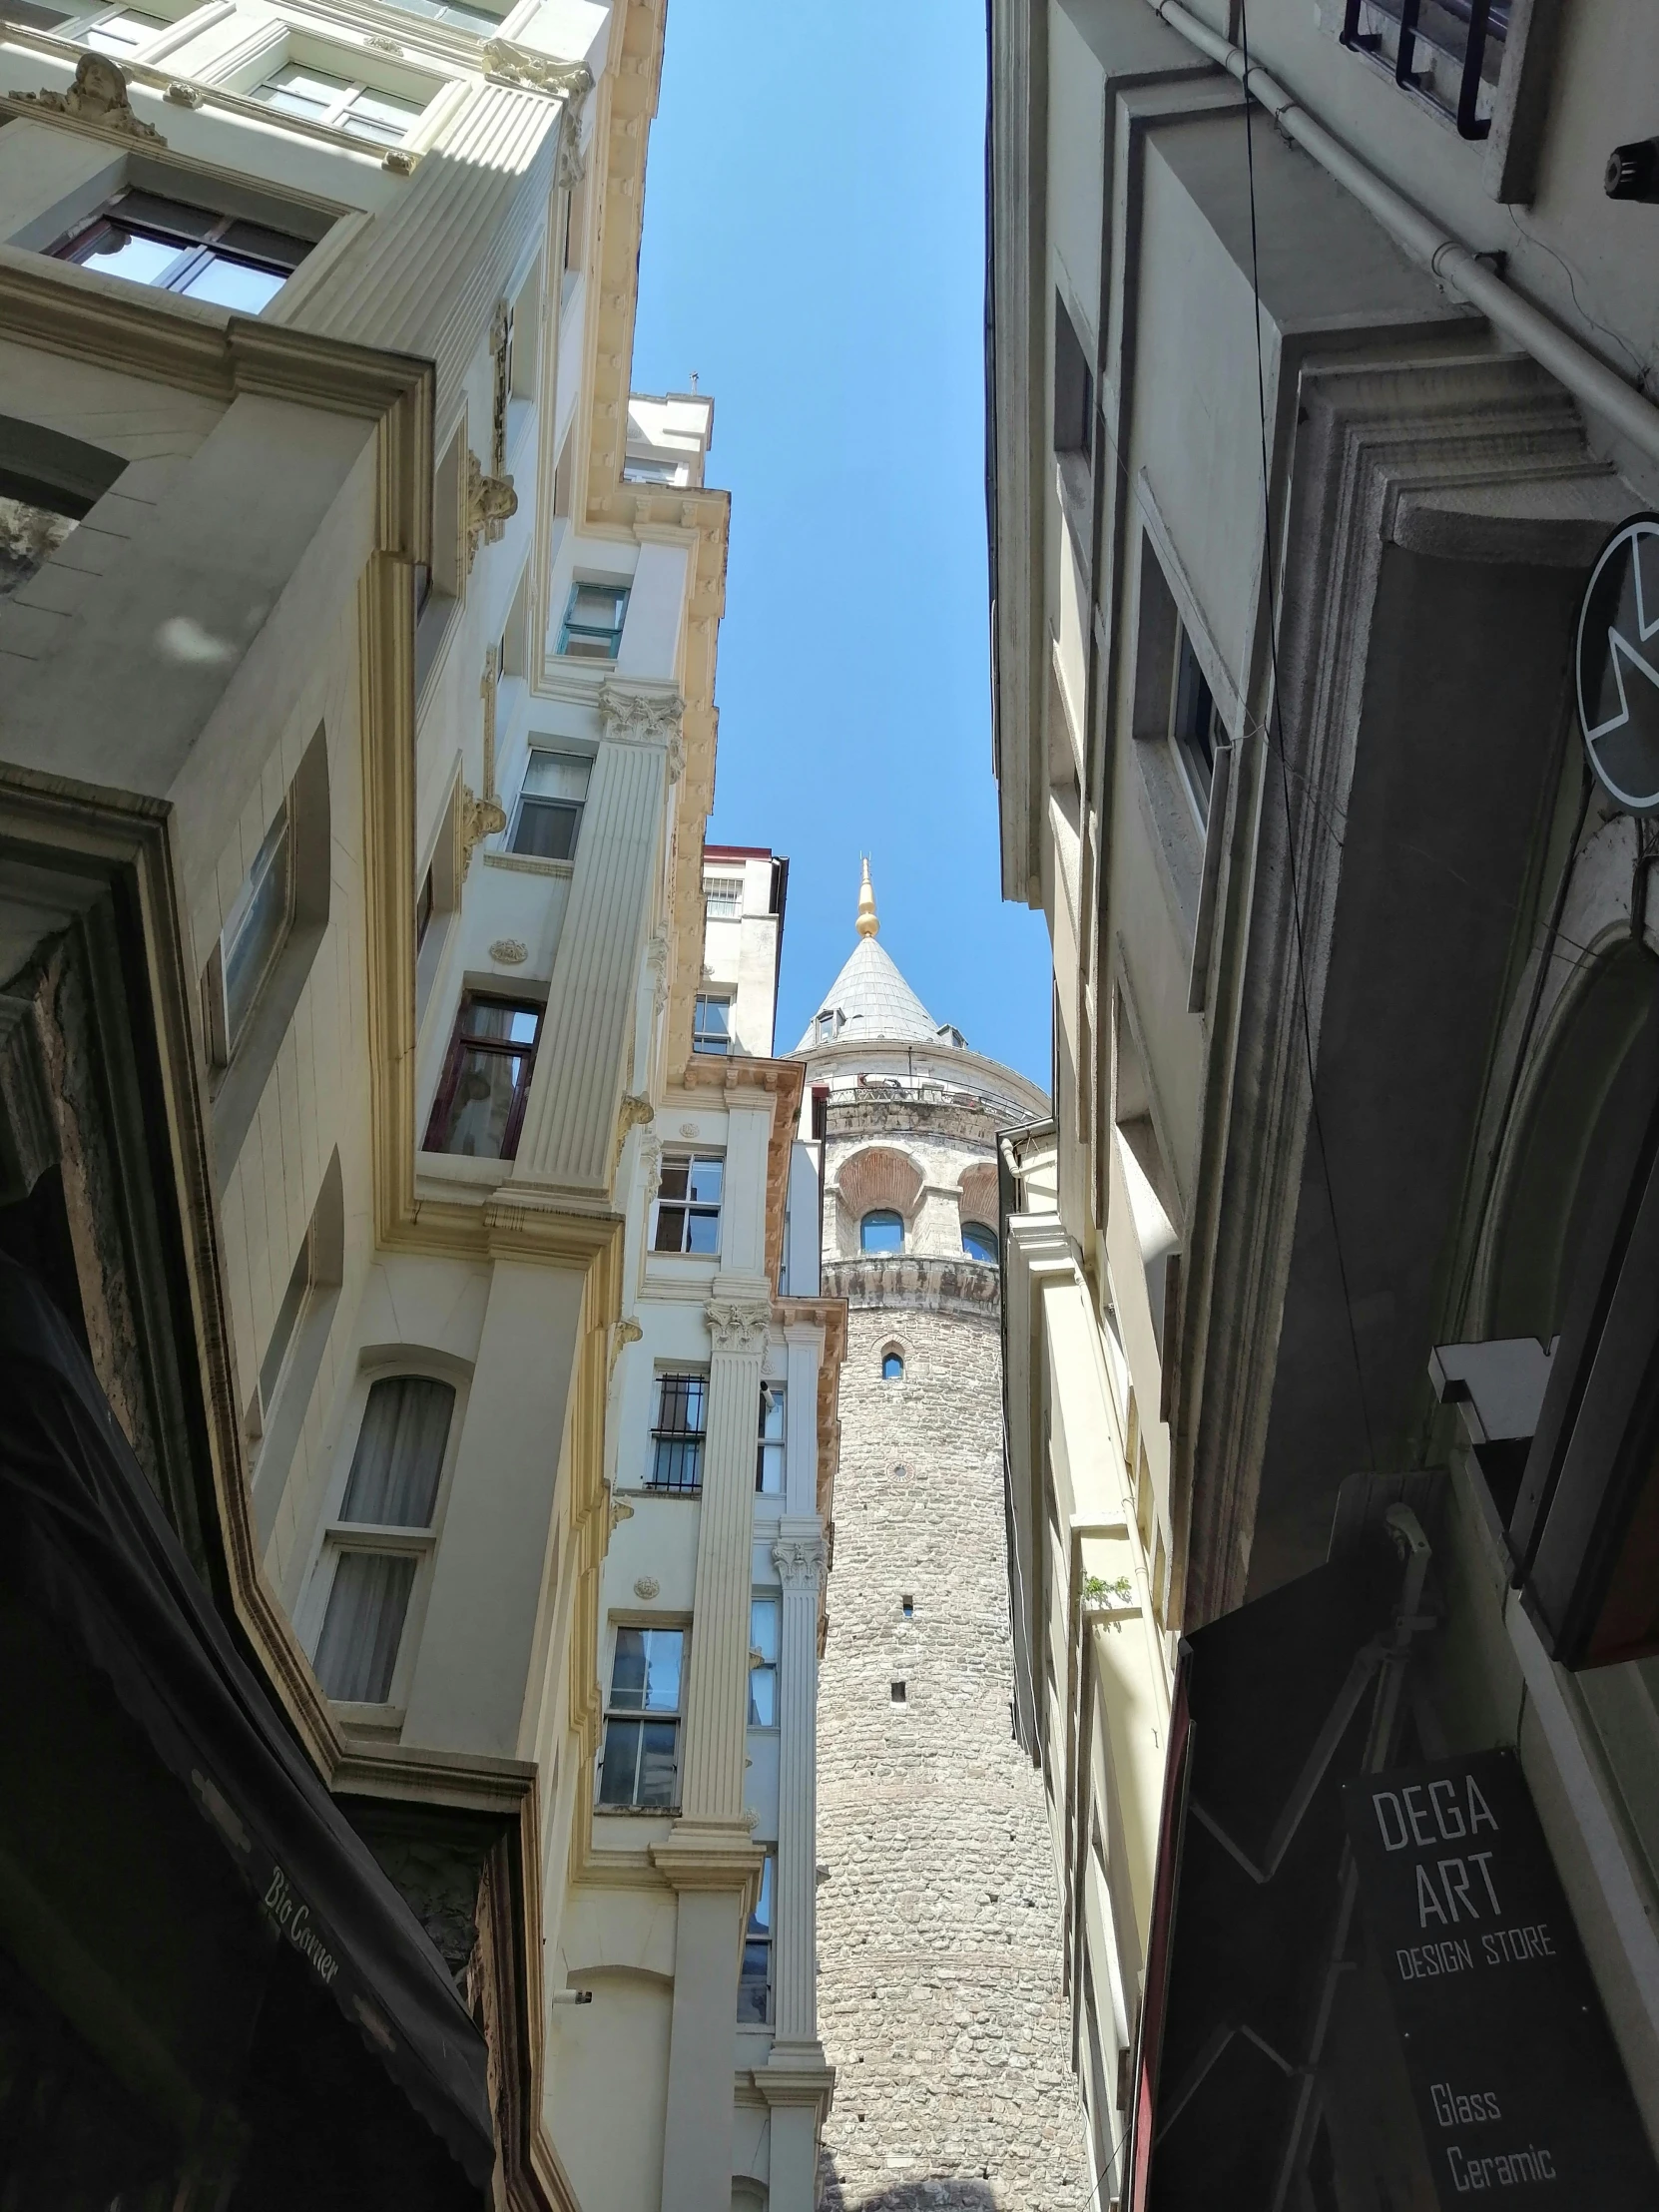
(869, 926)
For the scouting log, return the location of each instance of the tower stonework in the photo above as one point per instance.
(938, 1924)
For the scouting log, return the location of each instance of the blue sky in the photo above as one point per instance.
(813, 248)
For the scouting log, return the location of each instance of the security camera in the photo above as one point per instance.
(1633, 171)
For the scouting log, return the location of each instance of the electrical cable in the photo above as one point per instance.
(1278, 750)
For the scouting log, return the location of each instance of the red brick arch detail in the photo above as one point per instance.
(976, 1194)
(879, 1178)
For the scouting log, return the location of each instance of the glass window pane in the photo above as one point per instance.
(259, 924)
(760, 1921)
(753, 1985)
(704, 1181)
(287, 1313)
(546, 829)
(388, 108)
(978, 1242)
(619, 1775)
(703, 1234)
(486, 1089)
(662, 1669)
(762, 1628)
(376, 129)
(670, 1229)
(358, 1650)
(299, 90)
(29, 536)
(881, 1232)
(557, 775)
(596, 605)
(675, 1175)
(123, 31)
(659, 1764)
(682, 1405)
(126, 254)
(497, 1018)
(399, 1454)
(762, 1697)
(628, 1671)
(237, 285)
(773, 1402)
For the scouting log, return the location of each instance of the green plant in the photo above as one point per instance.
(1097, 1590)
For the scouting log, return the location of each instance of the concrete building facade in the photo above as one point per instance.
(938, 1940)
(1320, 355)
(357, 641)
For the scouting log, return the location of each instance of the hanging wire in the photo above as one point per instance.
(1277, 748)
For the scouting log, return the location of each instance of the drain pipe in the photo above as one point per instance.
(1588, 378)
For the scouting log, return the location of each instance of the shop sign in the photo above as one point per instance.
(1519, 2086)
(1617, 665)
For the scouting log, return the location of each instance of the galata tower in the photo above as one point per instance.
(937, 1915)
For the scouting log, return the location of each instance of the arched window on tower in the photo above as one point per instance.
(978, 1242)
(881, 1231)
(893, 1366)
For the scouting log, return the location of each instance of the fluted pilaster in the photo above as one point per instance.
(801, 1562)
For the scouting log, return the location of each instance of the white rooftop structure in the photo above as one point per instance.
(869, 1000)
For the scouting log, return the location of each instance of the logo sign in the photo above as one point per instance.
(1618, 665)
(1518, 2086)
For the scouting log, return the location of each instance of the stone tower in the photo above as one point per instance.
(938, 1922)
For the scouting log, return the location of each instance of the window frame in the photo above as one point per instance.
(337, 117)
(775, 1397)
(610, 1711)
(336, 1536)
(883, 1215)
(1191, 701)
(773, 1600)
(892, 1359)
(722, 898)
(193, 254)
(712, 1044)
(569, 628)
(690, 1443)
(575, 809)
(461, 1042)
(1408, 30)
(993, 1256)
(224, 1037)
(764, 1938)
(689, 1208)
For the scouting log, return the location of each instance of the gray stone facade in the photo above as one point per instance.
(938, 1922)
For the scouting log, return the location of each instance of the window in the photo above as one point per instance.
(177, 247)
(338, 104)
(255, 932)
(722, 898)
(898, 1693)
(592, 628)
(550, 804)
(679, 1424)
(763, 1662)
(383, 1533)
(881, 1231)
(827, 1027)
(282, 1334)
(454, 13)
(426, 900)
(754, 1980)
(1196, 727)
(638, 468)
(641, 1761)
(1448, 51)
(907, 1607)
(480, 1108)
(48, 483)
(688, 1205)
(768, 1451)
(893, 1366)
(1073, 386)
(712, 1023)
(117, 29)
(979, 1243)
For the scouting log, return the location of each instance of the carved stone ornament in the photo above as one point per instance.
(641, 717)
(650, 1167)
(183, 95)
(519, 65)
(622, 1333)
(511, 952)
(98, 95)
(382, 45)
(646, 1588)
(656, 961)
(738, 1324)
(476, 820)
(572, 164)
(491, 503)
(802, 1562)
(634, 1113)
(501, 358)
(621, 1510)
(400, 160)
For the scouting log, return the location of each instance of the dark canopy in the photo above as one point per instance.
(84, 1543)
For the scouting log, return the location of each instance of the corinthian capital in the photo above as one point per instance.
(802, 1562)
(642, 718)
(738, 1324)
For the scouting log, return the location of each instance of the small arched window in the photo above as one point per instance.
(893, 1366)
(882, 1231)
(978, 1242)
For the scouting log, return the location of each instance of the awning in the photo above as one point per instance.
(84, 1542)
(1272, 1711)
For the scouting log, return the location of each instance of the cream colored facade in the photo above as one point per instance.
(695, 2077)
(356, 675)
(1310, 421)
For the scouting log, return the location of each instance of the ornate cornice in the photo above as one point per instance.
(532, 72)
(738, 1324)
(917, 1280)
(645, 718)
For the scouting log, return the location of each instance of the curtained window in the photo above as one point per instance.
(383, 1536)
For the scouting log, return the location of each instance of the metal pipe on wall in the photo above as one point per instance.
(1573, 365)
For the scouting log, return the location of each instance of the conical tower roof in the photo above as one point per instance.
(870, 998)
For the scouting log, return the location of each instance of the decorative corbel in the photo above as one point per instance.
(491, 503)
(634, 1112)
(501, 356)
(622, 1333)
(476, 820)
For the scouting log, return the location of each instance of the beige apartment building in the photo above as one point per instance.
(1321, 351)
(356, 736)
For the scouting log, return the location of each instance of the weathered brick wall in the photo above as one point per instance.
(938, 1922)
